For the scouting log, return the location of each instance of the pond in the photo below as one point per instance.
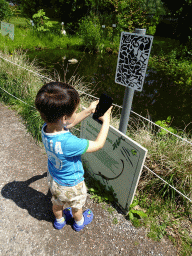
(157, 99)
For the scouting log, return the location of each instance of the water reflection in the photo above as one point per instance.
(159, 97)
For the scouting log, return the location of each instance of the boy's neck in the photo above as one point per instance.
(52, 128)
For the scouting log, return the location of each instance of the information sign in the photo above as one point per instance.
(7, 28)
(118, 164)
(132, 60)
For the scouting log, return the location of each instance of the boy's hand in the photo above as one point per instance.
(107, 115)
(93, 106)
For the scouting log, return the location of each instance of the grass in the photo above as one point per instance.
(27, 39)
(168, 214)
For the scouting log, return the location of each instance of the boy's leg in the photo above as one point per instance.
(58, 211)
(81, 219)
(77, 214)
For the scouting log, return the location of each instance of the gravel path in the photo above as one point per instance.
(25, 211)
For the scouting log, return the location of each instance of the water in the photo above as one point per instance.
(159, 98)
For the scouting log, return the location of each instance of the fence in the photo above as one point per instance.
(93, 97)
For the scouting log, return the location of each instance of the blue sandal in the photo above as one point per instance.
(88, 217)
(68, 218)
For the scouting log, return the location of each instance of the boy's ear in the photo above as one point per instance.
(63, 119)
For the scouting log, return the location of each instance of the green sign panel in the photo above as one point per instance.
(118, 164)
(7, 29)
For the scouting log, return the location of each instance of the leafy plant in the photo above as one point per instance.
(90, 32)
(130, 14)
(41, 22)
(110, 210)
(135, 214)
(166, 124)
(154, 21)
(157, 231)
(100, 194)
(115, 221)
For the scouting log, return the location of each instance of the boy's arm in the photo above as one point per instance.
(102, 136)
(83, 114)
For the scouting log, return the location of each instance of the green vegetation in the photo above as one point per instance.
(91, 33)
(41, 22)
(166, 124)
(5, 11)
(27, 38)
(157, 207)
(131, 14)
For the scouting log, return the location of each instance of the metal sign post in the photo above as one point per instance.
(132, 63)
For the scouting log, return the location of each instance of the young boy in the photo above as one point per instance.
(57, 103)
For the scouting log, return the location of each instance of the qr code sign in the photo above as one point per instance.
(132, 61)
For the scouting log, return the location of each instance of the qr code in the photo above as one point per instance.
(132, 61)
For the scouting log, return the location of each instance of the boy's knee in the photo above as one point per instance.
(77, 213)
(57, 207)
(75, 210)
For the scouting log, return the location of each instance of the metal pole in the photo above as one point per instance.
(128, 98)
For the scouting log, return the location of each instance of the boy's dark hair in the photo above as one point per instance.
(55, 100)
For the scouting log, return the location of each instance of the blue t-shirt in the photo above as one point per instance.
(64, 152)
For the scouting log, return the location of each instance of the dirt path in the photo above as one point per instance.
(25, 210)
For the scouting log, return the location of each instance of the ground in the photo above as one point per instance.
(25, 211)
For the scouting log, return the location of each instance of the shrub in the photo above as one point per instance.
(165, 124)
(42, 23)
(91, 33)
(154, 21)
(131, 14)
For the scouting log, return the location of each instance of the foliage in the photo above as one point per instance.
(5, 10)
(154, 7)
(69, 12)
(167, 156)
(173, 85)
(166, 219)
(181, 10)
(135, 214)
(100, 7)
(166, 124)
(91, 33)
(27, 38)
(130, 14)
(100, 193)
(28, 8)
(41, 22)
(15, 10)
(154, 21)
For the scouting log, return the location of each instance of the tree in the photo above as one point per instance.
(131, 14)
(70, 12)
(42, 23)
(67, 11)
(29, 8)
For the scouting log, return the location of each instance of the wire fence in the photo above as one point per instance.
(93, 97)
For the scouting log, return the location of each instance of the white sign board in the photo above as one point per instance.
(134, 51)
(118, 164)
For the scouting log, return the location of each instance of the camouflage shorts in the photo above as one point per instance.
(74, 196)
